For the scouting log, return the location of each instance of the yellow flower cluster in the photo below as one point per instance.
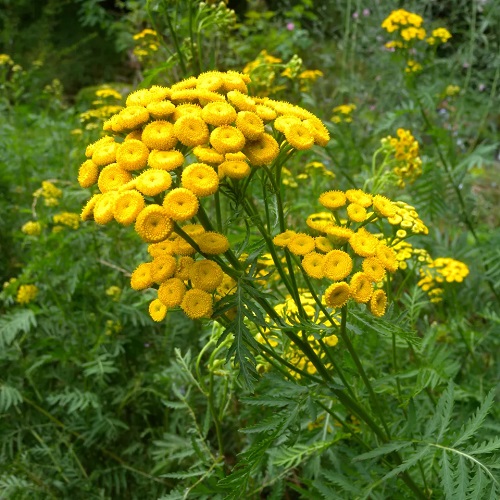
(26, 294)
(105, 106)
(147, 43)
(439, 271)
(314, 170)
(342, 113)
(405, 149)
(451, 90)
(32, 228)
(406, 251)
(413, 66)
(50, 193)
(6, 60)
(439, 35)
(114, 292)
(289, 311)
(408, 28)
(344, 248)
(68, 219)
(143, 179)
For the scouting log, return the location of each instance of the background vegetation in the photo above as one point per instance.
(99, 401)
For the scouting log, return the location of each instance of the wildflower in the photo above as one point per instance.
(241, 101)
(104, 208)
(227, 139)
(132, 155)
(361, 287)
(141, 277)
(363, 243)
(333, 199)
(159, 135)
(262, 151)
(338, 235)
(356, 212)
(250, 124)
(208, 155)
(337, 294)
(171, 292)
(197, 304)
(153, 181)
(284, 121)
(26, 294)
(301, 244)
(373, 268)
(112, 177)
(343, 113)
(153, 224)
(165, 160)
(163, 267)
(282, 239)
(383, 206)
(32, 228)
(105, 153)
(157, 310)
(191, 130)
(218, 114)
(183, 266)
(313, 264)
(186, 109)
(205, 275)
(439, 35)
(235, 169)
(359, 197)
(88, 210)
(337, 264)
(378, 303)
(67, 219)
(133, 117)
(319, 220)
(88, 174)
(181, 204)
(201, 179)
(323, 244)
(318, 130)
(213, 243)
(413, 66)
(299, 137)
(127, 207)
(160, 110)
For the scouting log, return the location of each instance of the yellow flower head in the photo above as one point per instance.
(378, 303)
(299, 137)
(262, 151)
(127, 207)
(383, 206)
(88, 174)
(157, 310)
(361, 287)
(88, 210)
(153, 224)
(112, 177)
(132, 117)
(181, 204)
(105, 153)
(32, 228)
(212, 243)
(337, 265)
(159, 135)
(104, 208)
(318, 130)
(323, 244)
(234, 169)
(191, 130)
(313, 265)
(197, 304)
(132, 155)
(141, 277)
(337, 294)
(282, 239)
(219, 113)
(205, 275)
(160, 110)
(387, 257)
(171, 292)
(333, 199)
(356, 212)
(359, 197)
(373, 268)
(153, 181)
(250, 124)
(201, 179)
(67, 219)
(183, 266)
(165, 160)
(208, 155)
(241, 101)
(227, 139)
(319, 221)
(301, 244)
(363, 243)
(162, 268)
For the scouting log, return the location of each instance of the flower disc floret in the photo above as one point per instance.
(159, 135)
(191, 130)
(153, 181)
(383, 206)
(153, 224)
(104, 153)
(181, 204)
(241, 101)
(205, 275)
(133, 117)
(104, 208)
(88, 210)
(282, 239)
(201, 179)
(132, 155)
(317, 129)
(359, 197)
(227, 139)
(161, 110)
(373, 268)
(235, 169)
(186, 109)
(197, 304)
(356, 212)
(337, 265)
(171, 292)
(363, 243)
(127, 207)
(337, 294)
(387, 257)
(212, 243)
(183, 266)
(205, 154)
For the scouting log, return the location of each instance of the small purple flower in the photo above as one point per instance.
(366, 12)
(355, 15)
(465, 65)
(481, 87)
(290, 26)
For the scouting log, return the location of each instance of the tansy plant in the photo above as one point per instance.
(196, 170)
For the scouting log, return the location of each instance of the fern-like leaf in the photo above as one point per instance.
(13, 323)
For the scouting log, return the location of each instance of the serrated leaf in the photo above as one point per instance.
(382, 450)
(407, 464)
